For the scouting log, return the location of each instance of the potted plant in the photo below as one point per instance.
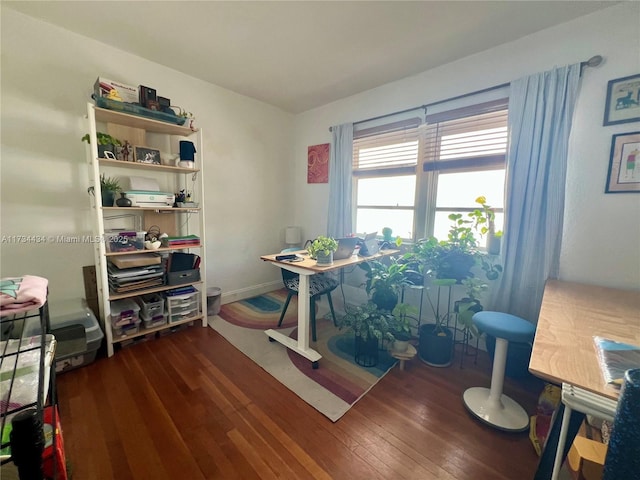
(109, 186)
(385, 281)
(321, 250)
(484, 223)
(106, 143)
(370, 326)
(401, 321)
(469, 305)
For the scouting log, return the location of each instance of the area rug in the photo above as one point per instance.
(331, 389)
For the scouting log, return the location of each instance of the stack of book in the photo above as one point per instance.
(135, 272)
(185, 241)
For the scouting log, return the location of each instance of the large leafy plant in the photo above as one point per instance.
(367, 321)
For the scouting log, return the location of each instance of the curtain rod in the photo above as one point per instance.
(592, 62)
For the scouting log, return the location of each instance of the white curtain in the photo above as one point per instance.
(339, 219)
(540, 114)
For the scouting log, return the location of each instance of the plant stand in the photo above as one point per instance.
(366, 351)
(466, 336)
(403, 356)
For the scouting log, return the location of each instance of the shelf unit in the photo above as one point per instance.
(22, 360)
(140, 131)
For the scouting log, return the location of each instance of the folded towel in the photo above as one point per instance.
(21, 294)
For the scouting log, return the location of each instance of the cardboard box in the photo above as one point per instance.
(115, 90)
(586, 458)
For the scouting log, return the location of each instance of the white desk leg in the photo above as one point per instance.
(302, 345)
(562, 439)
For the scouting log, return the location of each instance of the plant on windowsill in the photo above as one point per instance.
(321, 250)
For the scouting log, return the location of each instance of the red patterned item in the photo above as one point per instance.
(318, 164)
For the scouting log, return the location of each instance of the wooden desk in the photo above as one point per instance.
(564, 352)
(305, 269)
(570, 316)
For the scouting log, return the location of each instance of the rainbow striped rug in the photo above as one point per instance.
(331, 389)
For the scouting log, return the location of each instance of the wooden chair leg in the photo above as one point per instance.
(284, 309)
(313, 319)
(333, 313)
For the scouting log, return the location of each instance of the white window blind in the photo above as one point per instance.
(388, 150)
(474, 137)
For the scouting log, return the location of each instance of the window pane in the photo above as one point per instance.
(460, 190)
(372, 220)
(387, 191)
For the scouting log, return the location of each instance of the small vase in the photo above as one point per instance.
(123, 201)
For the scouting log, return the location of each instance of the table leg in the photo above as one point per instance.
(300, 346)
(547, 459)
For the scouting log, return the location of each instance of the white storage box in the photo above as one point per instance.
(152, 305)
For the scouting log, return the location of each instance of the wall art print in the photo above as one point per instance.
(318, 163)
(624, 164)
(623, 100)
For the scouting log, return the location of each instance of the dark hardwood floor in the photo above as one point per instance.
(190, 406)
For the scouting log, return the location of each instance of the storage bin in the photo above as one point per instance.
(123, 241)
(151, 305)
(178, 317)
(128, 329)
(155, 321)
(183, 276)
(124, 312)
(179, 304)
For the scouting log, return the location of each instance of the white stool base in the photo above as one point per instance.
(506, 414)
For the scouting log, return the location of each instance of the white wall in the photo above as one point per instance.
(47, 78)
(601, 239)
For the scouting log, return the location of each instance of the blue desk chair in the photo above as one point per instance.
(319, 284)
(491, 405)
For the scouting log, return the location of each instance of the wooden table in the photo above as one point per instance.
(305, 269)
(564, 351)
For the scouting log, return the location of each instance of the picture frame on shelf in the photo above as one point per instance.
(623, 100)
(624, 164)
(146, 155)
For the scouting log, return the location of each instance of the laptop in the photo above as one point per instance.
(369, 245)
(346, 246)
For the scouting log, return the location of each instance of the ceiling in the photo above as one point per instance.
(300, 55)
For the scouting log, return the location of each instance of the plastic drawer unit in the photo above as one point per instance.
(181, 307)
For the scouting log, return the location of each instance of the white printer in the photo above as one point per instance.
(145, 192)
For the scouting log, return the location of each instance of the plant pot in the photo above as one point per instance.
(105, 148)
(435, 349)
(366, 351)
(456, 265)
(108, 197)
(400, 345)
(385, 299)
(324, 259)
(493, 245)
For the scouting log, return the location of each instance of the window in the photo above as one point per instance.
(411, 175)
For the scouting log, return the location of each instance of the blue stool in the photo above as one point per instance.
(490, 405)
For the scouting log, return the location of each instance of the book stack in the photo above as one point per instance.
(134, 272)
(185, 241)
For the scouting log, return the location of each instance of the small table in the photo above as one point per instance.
(305, 269)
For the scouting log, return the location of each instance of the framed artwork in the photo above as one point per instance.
(624, 168)
(146, 155)
(318, 164)
(623, 100)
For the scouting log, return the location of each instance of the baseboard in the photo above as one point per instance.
(248, 292)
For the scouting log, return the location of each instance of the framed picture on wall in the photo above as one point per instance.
(146, 155)
(624, 164)
(623, 100)
(318, 163)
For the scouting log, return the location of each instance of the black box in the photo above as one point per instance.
(183, 276)
(164, 102)
(146, 94)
